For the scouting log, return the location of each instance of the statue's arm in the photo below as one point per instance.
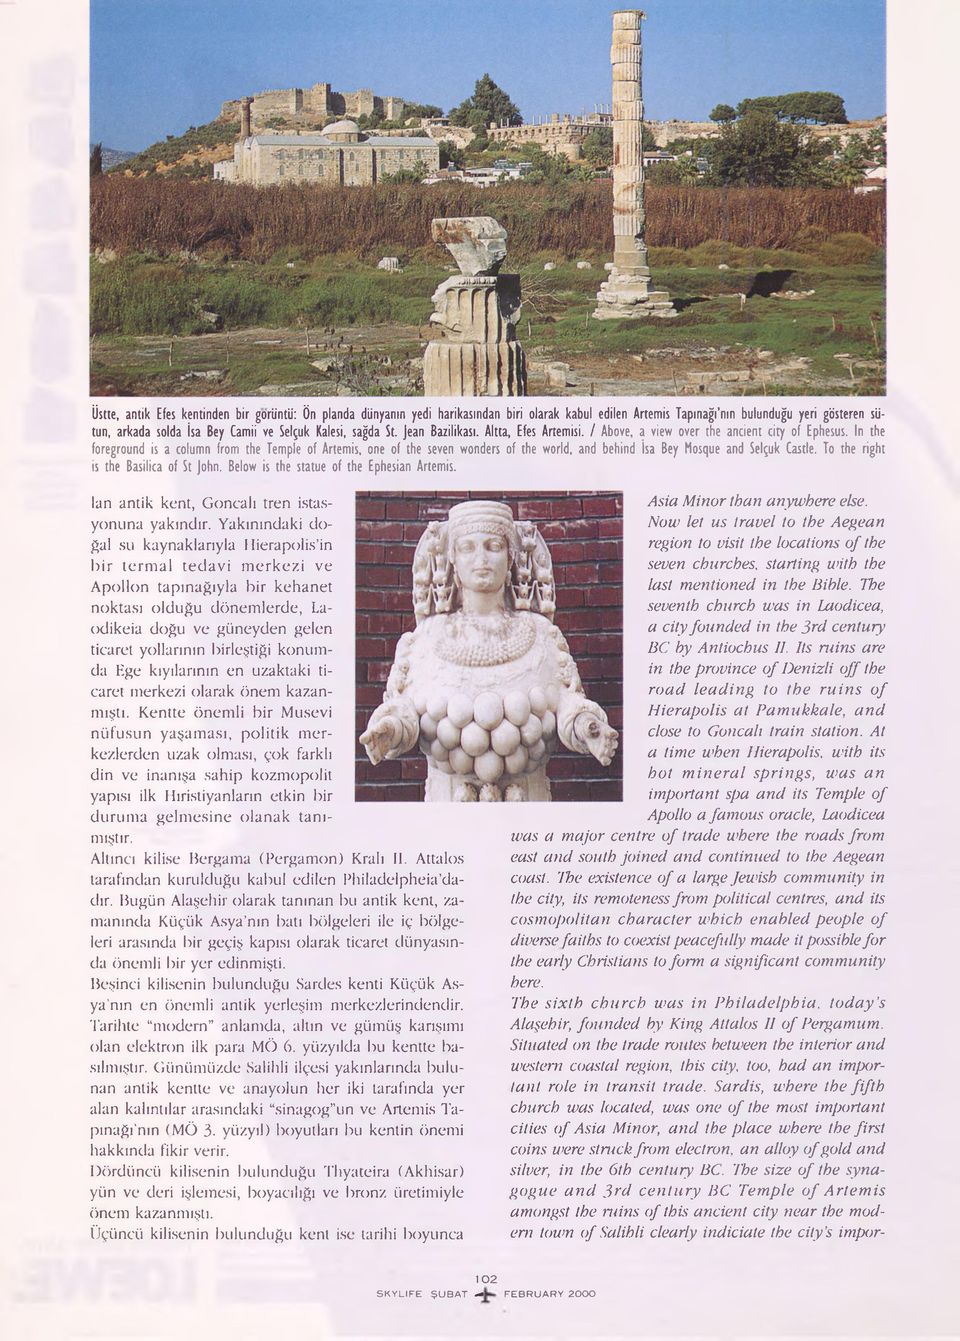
(583, 727)
(581, 724)
(591, 733)
(392, 730)
(394, 727)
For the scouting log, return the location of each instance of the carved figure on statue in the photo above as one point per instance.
(485, 685)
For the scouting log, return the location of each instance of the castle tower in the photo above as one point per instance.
(627, 292)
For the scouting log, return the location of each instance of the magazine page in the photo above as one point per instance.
(411, 407)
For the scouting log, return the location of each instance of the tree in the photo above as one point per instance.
(416, 110)
(552, 169)
(821, 108)
(412, 175)
(846, 166)
(688, 174)
(759, 150)
(487, 104)
(96, 160)
(877, 144)
(597, 147)
(682, 171)
(451, 155)
(723, 112)
(685, 144)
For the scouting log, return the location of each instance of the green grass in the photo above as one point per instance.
(143, 296)
(835, 319)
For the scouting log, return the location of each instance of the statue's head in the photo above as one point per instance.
(481, 548)
(482, 544)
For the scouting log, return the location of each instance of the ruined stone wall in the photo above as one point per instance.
(664, 132)
(312, 106)
(561, 135)
(458, 135)
(271, 102)
(565, 135)
(861, 129)
(556, 137)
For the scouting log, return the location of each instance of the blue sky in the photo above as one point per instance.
(159, 66)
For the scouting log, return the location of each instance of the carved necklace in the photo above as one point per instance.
(484, 640)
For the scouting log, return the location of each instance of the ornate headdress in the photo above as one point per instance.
(530, 582)
(481, 517)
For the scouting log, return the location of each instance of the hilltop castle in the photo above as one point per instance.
(312, 107)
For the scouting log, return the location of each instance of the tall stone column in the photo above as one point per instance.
(626, 59)
(627, 292)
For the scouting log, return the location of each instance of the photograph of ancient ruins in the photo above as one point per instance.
(498, 675)
(307, 241)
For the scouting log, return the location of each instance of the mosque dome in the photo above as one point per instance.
(346, 131)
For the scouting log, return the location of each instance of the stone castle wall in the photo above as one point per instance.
(664, 132)
(311, 107)
(442, 130)
(565, 135)
(560, 135)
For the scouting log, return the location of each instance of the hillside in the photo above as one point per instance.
(191, 154)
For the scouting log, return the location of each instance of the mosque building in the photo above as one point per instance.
(339, 155)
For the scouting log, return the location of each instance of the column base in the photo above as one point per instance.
(627, 296)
